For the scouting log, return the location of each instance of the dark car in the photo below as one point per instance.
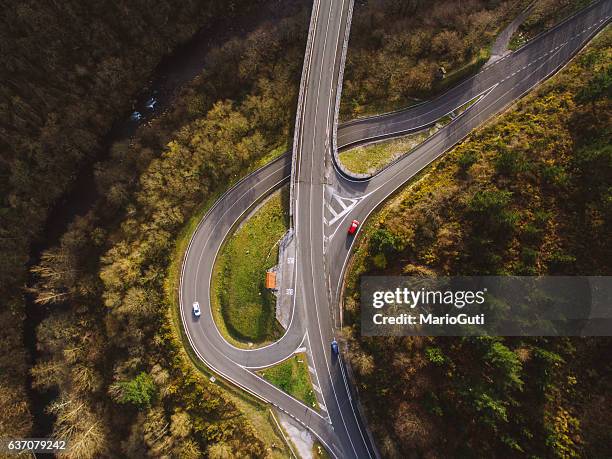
(334, 347)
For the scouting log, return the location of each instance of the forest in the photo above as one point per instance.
(120, 379)
(527, 194)
(69, 70)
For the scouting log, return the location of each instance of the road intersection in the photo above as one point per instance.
(325, 197)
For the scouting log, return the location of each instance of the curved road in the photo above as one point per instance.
(325, 200)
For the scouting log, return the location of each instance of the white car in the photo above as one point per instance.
(196, 309)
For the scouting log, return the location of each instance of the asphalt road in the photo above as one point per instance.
(325, 200)
(312, 146)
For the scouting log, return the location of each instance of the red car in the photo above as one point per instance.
(353, 228)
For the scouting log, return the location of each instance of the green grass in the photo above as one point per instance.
(369, 159)
(244, 309)
(293, 377)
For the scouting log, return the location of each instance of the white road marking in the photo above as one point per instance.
(345, 208)
(332, 210)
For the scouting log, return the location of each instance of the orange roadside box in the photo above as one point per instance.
(271, 279)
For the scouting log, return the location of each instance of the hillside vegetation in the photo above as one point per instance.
(110, 345)
(397, 47)
(527, 194)
(69, 69)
